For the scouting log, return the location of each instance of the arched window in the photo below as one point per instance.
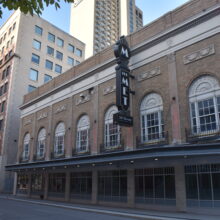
(41, 143)
(26, 147)
(59, 139)
(82, 140)
(151, 113)
(204, 99)
(112, 131)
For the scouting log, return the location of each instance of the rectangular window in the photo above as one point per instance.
(71, 48)
(47, 78)
(51, 37)
(37, 183)
(77, 62)
(35, 58)
(78, 52)
(1, 125)
(49, 65)
(3, 106)
(33, 74)
(10, 53)
(57, 183)
(81, 185)
(8, 70)
(60, 42)
(14, 25)
(155, 186)
(36, 44)
(31, 88)
(5, 87)
(4, 74)
(1, 90)
(70, 61)
(112, 185)
(207, 119)
(50, 51)
(38, 30)
(59, 55)
(22, 183)
(58, 68)
(203, 185)
(12, 39)
(59, 145)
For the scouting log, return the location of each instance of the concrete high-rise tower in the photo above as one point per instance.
(99, 23)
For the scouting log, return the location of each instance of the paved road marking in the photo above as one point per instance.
(100, 211)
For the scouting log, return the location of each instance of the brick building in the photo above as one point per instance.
(70, 150)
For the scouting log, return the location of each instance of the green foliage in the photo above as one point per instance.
(29, 6)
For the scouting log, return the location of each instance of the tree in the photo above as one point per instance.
(29, 6)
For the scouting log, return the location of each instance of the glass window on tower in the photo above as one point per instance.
(33, 74)
(60, 42)
(70, 61)
(51, 37)
(78, 52)
(50, 51)
(59, 55)
(58, 68)
(38, 30)
(71, 48)
(36, 44)
(49, 65)
(47, 78)
(31, 88)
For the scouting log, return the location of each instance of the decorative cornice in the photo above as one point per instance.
(42, 116)
(83, 99)
(199, 54)
(27, 122)
(60, 109)
(109, 90)
(149, 74)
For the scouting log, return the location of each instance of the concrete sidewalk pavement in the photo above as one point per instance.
(122, 212)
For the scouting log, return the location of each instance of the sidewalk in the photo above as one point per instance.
(123, 212)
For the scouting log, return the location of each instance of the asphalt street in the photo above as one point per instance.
(18, 210)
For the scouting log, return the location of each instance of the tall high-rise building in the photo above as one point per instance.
(99, 23)
(32, 52)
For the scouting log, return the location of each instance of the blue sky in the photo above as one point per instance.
(152, 9)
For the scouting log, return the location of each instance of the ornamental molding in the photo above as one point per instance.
(60, 109)
(199, 54)
(203, 85)
(152, 100)
(42, 116)
(109, 90)
(83, 99)
(149, 74)
(27, 122)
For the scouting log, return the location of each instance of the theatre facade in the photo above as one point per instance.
(70, 150)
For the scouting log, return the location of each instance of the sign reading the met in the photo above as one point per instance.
(122, 53)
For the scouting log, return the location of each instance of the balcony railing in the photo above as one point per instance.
(116, 145)
(152, 140)
(202, 134)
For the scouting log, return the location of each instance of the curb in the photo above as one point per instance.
(98, 211)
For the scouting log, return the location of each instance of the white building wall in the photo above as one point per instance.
(82, 23)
